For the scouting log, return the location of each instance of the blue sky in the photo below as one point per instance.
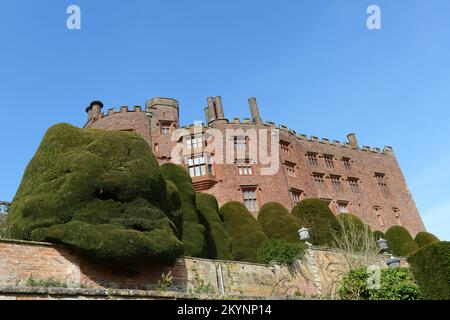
(313, 66)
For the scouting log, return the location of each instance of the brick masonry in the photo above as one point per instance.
(378, 209)
(318, 274)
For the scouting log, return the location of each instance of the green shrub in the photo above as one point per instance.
(278, 223)
(378, 234)
(317, 216)
(400, 241)
(348, 220)
(246, 232)
(281, 251)
(424, 238)
(354, 235)
(193, 233)
(431, 267)
(2, 226)
(395, 284)
(100, 192)
(217, 238)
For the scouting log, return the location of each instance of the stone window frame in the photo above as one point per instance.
(377, 211)
(296, 195)
(329, 160)
(290, 168)
(200, 168)
(165, 127)
(347, 163)
(382, 183)
(285, 147)
(250, 198)
(397, 216)
(244, 167)
(343, 206)
(319, 179)
(354, 184)
(312, 158)
(336, 182)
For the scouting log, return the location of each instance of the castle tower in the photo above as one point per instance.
(163, 121)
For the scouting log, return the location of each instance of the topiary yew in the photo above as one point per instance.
(431, 268)
(400, 241)
(378, 234)
(246, 232)
(193, 233)
(424, 238)
(278, 223)
(317, 216)
(100, 192)
(218, 239)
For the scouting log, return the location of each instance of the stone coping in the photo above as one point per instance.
(125, 294)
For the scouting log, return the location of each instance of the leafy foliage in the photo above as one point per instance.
(424, 238)
(193, 234)
(400, 241)
(100, 192)
(246, 232)
(378, 234)
(2, 226)
(317, 216)
(218, 239)
(431, 267)
(280, 251)
(278, 223)
(395, 284)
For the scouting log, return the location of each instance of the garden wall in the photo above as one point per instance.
(317, 274)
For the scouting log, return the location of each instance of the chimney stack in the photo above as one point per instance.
(219, 108)
(352, 140)
(94, 109)
(212, 109)
(254, 110)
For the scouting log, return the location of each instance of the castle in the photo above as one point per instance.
(364, 181)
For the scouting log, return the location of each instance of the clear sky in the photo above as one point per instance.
(313, 65)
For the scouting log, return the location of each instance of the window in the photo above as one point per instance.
(329, 161)
(240, 142)
(397, 216)
(198, 166)
(381, 179)
(290, 168)
(312, 158)
(318, 179)
(194, 142)
(156, 147)
(284, 147)
(377, 211)
(343, 207)
(336, 182)
(354, 185)
(296, 195)
(250, 200)
(165, 128)
(244, 168)
(346, 162)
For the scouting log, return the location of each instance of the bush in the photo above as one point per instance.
(281, 251)
(246, 232)
(317, 216)
(193, 233)
(218, 240)
(431, 267)
(100, 192)
(278, 223)
(400, 241)
(395, 284)
(424, 238)
(355, 236)
(2, 226)
(378, 234)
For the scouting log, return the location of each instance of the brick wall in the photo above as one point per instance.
(318, 273)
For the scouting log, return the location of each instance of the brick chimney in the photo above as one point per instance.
(94, 109)
(254, 110)
(352, 140)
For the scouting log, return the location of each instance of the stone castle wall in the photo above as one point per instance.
(317, 274)
(379, 210)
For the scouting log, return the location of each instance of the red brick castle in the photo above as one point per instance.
(367, 182)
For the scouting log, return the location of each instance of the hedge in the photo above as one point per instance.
(395, 284)
(193, 233)
(100, 192)
(278, 223)
(431, 268)
(317, 216)
(424, 238)
(378, 234)
(280, 251)
(246, 232)
(218, 239)
(400, 241)
(355, 234)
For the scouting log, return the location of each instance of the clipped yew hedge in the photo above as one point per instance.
(317, 216)
(246, 232)
(431, 268)
(278, 223)
(217, 237)
(99, 192)
(378, 234)
(400, 241)
(193, 231)
(424, 238)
